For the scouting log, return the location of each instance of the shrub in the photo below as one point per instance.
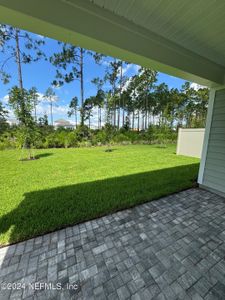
(99, 137)
(83, 133)
(47, 137)
(84, 144)
(72, 139)
(119, 138)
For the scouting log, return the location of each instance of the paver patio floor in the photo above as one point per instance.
(172, 248)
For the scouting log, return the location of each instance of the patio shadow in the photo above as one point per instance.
(50, 209)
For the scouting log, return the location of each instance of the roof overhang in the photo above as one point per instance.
(82, 23)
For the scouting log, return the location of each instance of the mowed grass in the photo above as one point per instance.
(67, 186)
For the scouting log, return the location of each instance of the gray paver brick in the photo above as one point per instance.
(172, 248)
(123, 293)
(100, 249)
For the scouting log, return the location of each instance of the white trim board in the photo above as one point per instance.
(207, 134)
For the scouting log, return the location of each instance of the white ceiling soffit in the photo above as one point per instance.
(168, 36)
(196, 25)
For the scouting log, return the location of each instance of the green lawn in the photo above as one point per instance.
(66, 186)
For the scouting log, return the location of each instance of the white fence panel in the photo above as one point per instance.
(190, 141)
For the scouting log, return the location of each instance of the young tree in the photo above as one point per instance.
(73, 109)
(3, 116)
(21, 103)
(19, 46)
(35, 99)
(51, 97)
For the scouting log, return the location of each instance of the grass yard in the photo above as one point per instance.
(67, 186)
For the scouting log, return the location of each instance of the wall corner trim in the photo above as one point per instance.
(212, 94)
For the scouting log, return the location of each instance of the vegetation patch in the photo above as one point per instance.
(67, 186)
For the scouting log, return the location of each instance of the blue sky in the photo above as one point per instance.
(41, 74)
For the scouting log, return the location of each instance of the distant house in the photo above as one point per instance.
(12, 122)
(61, 123)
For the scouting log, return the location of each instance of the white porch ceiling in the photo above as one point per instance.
(197, 25)
(184, 38)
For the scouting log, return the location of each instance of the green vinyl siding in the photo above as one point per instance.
(214, 174)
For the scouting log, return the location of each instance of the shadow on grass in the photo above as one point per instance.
(47, 210)
(110, 150)
(41, 155)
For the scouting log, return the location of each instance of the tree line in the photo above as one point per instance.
(131, 103)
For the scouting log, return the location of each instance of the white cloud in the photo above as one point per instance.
(105, 63)
(136, 68)
(49, 99)
(5, 99)
(41, 97)
(10, 114)
(41, 37)
(126, 68)
(124, 88)
(60, 111)
(196, 86)
(43, 108)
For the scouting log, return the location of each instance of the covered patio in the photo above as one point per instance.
(172, 248)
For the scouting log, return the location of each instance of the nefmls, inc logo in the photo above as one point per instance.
(52, 286)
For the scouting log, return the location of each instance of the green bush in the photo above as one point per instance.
(48, 137)
(7, 141)
(161, 135)
(119, 138)
(84, 144)
(83, 133)
(99, 138)
(72, 139)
